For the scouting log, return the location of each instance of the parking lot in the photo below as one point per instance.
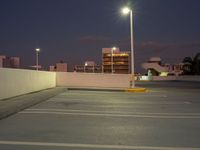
(166, 117)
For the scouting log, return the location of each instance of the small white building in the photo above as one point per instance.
(59, 67)
(88, 67)
(158, 69)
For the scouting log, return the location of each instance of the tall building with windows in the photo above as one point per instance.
(115, 61)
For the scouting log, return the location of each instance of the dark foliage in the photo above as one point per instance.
(191, 66)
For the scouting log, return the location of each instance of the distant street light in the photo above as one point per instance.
(127, 11)
(86, 64)
(37, 54)
(113, 49)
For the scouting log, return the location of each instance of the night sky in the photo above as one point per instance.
(76, 30)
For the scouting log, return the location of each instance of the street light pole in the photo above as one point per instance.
(126, 10)
(37, 59)
(132, 52)
(112, 70)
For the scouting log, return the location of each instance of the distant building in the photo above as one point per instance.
(88, 67)
(120, 63)
(35, 67)
(157, 68)
(9, 62)
(59, 67)
(51, 68)
(2, 58)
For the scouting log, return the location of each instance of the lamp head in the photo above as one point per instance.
(37, 49)
(126, 10)
(114, 48)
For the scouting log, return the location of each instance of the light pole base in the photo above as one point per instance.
(132, 81)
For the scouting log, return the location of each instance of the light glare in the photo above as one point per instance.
(37, 49)
(125, 10)
(114, 48)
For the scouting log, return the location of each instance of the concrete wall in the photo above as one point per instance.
(178, 78)
(14, 82)
(100, 80)
(189, 78)
(167, 78)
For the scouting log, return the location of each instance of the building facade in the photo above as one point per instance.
(9, 62)
(157, 68)
(115, 61)
(88, 67)
(59, 67)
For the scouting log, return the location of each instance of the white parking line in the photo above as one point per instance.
(94, 146)
(111, 112)
(121, 102)
(110, 115)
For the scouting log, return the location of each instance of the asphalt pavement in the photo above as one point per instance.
(13, 105)
(165, 118)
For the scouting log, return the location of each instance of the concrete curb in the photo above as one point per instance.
(110, 89)
(13, 105)
(136, 90)
(95, 89)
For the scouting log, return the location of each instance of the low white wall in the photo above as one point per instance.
(14, 82)
(167, 78)
(189, 78)
(179, 78)
(100, 80)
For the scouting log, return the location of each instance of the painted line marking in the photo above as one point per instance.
(116, 102)
(94, 146)
(188, 103)
(110, 115)
(112, 112)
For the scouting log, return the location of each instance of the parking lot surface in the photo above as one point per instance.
(166, 118)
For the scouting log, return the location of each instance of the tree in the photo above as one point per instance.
(196, 64)
(188, 66)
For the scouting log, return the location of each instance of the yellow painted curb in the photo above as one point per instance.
(136, 90)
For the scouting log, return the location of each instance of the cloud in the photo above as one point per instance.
(169, 52)
(92, 40)
(154, 45)
(159, 47)
(190, 45)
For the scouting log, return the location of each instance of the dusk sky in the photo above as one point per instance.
(76, 30)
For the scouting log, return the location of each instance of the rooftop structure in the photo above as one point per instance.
(157, 68)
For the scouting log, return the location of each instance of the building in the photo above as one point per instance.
(2, 58)
(157, 68)
(59, 67)
(35, 67)
(88, 67)
(9, 62)
(115, 61)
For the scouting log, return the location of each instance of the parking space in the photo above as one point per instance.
(159, 119)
